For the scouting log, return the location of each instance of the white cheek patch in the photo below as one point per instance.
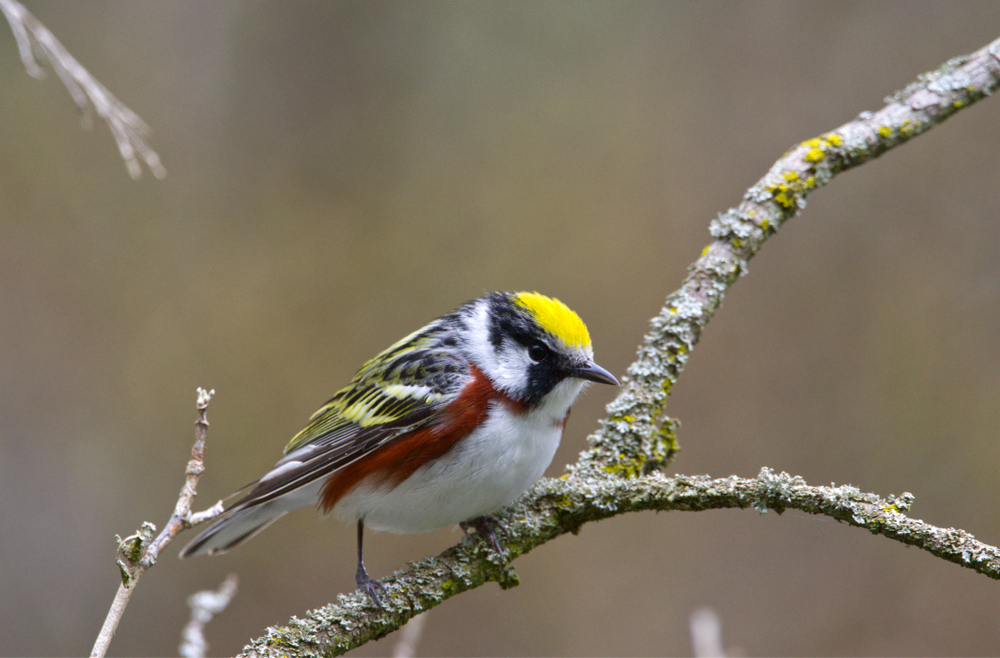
(508, 366)
(511, 374)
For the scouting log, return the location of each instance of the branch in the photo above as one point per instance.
(557, 506)
(619, 472)
(634, 440)
(138, 552)
(129, 130)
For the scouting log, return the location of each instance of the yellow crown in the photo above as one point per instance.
(555, 317)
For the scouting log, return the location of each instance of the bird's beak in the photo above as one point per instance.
(594, 373)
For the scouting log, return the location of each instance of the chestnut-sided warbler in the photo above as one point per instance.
(446, 426)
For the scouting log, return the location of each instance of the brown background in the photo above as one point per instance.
(341, 173)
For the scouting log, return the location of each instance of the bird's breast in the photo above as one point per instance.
(485, 453)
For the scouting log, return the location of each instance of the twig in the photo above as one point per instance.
(138, 552)
(618, 473)
(409, 636)
(706, 634)
(205, 605)
(34, 39)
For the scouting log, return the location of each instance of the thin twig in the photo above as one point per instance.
(205, 605)
(409, 636)
(35, 40)
(706, 634)
(138, 552)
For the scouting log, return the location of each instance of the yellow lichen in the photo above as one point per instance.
(784, 195)
(790, 176)
(814, 155)
(885, 132)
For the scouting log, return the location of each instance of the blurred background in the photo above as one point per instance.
(342, 173)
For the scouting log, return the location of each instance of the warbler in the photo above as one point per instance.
(446, 426)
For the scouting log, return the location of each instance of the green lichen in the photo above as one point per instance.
(508, 579)
(656, 453)
(626, 467)
(665, 444)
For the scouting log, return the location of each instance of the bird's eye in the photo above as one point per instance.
(537, 353)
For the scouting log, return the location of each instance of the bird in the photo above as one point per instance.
(446, 426)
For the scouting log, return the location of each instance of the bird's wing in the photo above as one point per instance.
(395, 393)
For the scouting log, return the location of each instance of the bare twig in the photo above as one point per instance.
(409, 636)
(205, 605)
(35, 40)
(618, 473)
(706, 634)
(138, 552)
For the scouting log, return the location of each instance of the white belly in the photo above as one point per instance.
(486, 470)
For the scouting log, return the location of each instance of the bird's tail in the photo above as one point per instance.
(248, 517)
(233, 528)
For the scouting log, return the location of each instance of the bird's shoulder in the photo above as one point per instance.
(397, 389)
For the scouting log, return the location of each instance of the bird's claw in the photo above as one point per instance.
(373, 588)
(487, 526)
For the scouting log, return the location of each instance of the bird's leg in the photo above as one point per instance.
(366, 583)
(487, 526)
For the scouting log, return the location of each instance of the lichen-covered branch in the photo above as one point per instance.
(557, 506)
(634, 439)
(619, 472)
(129, 130)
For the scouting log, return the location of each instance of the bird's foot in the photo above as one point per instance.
(371, 587)
(487, 526)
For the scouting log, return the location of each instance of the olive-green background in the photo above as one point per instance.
(341, 173)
